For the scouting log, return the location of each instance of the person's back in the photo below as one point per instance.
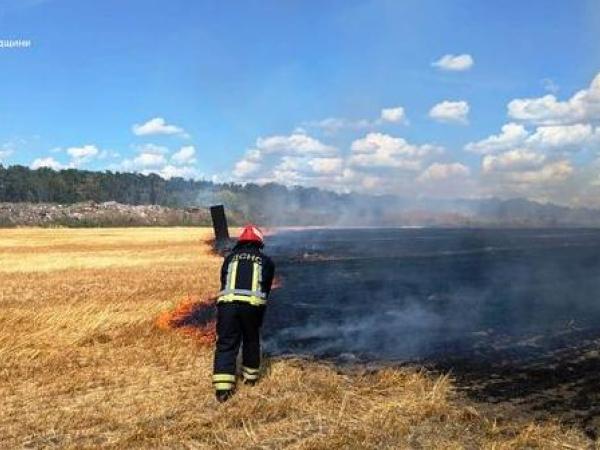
(246, 279)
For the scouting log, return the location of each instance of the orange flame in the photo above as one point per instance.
(186, 318)
(180, 319)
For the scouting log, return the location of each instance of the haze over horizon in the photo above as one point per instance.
(420, 98)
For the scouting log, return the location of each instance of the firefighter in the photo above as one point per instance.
(246, 278)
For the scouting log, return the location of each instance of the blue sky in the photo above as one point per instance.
(293, 91)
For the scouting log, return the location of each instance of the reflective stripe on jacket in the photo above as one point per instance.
(246, 276)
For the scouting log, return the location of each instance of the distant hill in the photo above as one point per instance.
(24, 191)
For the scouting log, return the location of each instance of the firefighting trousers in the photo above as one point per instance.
(238, 323)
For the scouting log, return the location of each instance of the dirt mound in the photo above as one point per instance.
(92, 214)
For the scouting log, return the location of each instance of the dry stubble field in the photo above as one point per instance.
(83, 364)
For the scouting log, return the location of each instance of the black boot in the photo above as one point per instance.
(223, 396)
(250, 382)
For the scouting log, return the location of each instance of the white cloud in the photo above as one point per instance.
(450, 112)
(455, 63)
(79, 155)
(385, 151)
(289, 159)
(144, 160)
(294, 144)
(108, 154)
(245, 167)
(561, 137)
(332, 125)
(371, 182)
(82, 154)
(540, 163)
(153, 158)
(512, 135)
(86, 151)
(291, 163)
(583, 106)
(526, 172)
(249, 164)
(551, 180)
(546, 110)
(551, 173)
(300, 130)
(152, 148)
(171, 171)
(287, 176)
(555, 137)
(46, 162)
(518, 159)
(376, 163)
(149, 156)
(393, 115)
(440, 171)
(376, 142)
(186, 155)
(326, 165)
(157, 125)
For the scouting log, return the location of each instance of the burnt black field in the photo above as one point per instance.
(513, 314)
(418, 293)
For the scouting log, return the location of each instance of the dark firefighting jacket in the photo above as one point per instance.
(246, 275)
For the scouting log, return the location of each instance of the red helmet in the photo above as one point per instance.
(251, 233)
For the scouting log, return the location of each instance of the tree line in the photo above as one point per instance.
(275, 204)
(271, 201)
